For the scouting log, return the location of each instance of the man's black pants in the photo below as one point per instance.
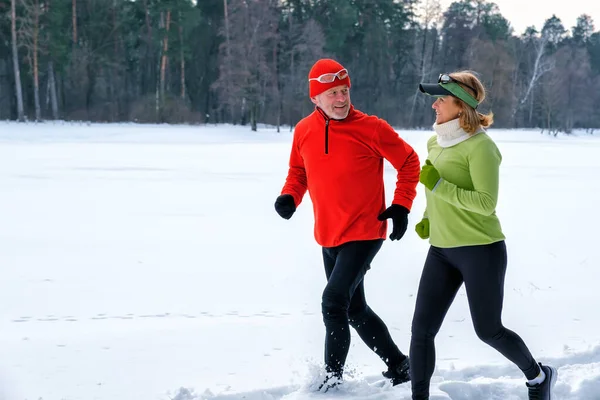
(344, 304)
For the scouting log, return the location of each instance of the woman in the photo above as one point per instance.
(461, 176)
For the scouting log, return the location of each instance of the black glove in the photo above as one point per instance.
(284, 205)
(399, 216)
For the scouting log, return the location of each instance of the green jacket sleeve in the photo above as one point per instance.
(484, 167)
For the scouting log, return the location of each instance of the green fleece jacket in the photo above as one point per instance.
(462, 206)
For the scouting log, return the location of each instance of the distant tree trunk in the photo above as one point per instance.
(423, 50)
(531, 102)
(227, 43)
(226, 27)
(91, 70)
(276, 87)
(18, 90)
(243, 112)
(422, 74)
(52, 87)
(114, 81)
(253, 116)
(433, 49)
(182, 57)
(147, 78)
(540, 67)
(292, 73)
(36, 80)
(29, 37)
(74, 7)
(165, 57)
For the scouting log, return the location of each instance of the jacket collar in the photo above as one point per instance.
(450, 133)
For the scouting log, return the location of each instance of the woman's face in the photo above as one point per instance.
(446, 109)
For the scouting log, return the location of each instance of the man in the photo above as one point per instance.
(338, 155)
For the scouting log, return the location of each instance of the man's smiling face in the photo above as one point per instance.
(335, 102)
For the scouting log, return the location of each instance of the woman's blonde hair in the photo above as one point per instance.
(470, 119)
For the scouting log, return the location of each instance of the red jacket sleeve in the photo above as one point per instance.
(404, 158)
(295, 183)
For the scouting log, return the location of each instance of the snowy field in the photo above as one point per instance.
(148, 263)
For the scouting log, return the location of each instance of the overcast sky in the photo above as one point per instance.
(524, 13)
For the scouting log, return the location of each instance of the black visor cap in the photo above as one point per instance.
(433, 89)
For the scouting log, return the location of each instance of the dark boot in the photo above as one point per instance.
(332, 380)
(398, 374)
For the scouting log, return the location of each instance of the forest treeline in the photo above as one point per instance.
(246, 61)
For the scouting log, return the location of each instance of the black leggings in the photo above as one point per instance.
(344, 304)
(482, 269)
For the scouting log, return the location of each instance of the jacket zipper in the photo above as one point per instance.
(327, 136)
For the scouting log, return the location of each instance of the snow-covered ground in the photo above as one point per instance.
(147, 262)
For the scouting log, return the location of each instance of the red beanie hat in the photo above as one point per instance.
(325, 66)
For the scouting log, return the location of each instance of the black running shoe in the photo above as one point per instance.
(543, 391)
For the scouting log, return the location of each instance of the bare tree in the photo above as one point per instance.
(497, 66)
(226, 12)
(276, 91)
(181, 55)
(572, 77)
(541, 66)
(245, 71)
(227, 43)
(74, 16)
(17, 71)
(165, 56)
(149, 45)
(430, 14)
(550, 105)
(52, 89)
(306, 46)
(30, 34)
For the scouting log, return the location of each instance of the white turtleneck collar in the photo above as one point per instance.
(450, 133)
